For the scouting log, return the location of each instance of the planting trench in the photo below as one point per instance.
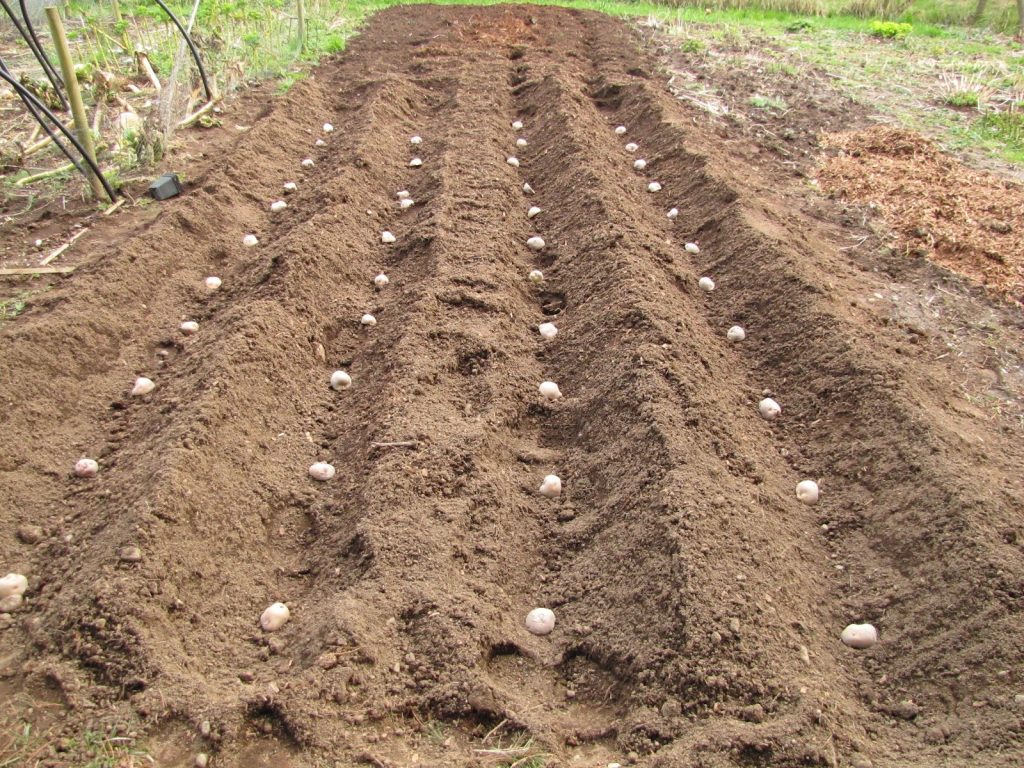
(699, 604)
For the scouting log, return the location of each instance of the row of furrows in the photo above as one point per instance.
(886, 531)
(661, 390)
(198, 433)
(141, 286)
(881, 532)
(455, 532)
(660, 385)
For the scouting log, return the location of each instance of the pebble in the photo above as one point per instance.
(6, 621)
(202, 760)
(30, 534)
(131, 554)
(734, 626)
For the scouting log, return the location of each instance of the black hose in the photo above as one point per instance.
(6, 75)
(30, 98)
(44, 59)
(191, 45)
(40, 57)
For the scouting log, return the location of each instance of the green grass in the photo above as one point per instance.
(962, 99)
(1001, 132)
(767, 102)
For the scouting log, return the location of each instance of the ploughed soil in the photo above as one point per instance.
(698, 603)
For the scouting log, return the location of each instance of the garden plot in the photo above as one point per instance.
(325, 507)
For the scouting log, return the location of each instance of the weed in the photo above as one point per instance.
(693, 45)
(800, 25)
(891, 30)
(962, 99)
(767, 102)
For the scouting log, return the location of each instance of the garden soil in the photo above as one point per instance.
(698, 603)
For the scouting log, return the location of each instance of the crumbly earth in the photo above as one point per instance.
(698, 603)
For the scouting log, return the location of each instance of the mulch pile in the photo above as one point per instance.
(965, 220)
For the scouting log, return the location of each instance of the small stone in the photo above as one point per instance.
(246, 677)
(320, 352)
(859, 761)
(30, 534)
(671, 708)
(6, 621)
(205, 729)
(130, 554)
(716, 637)
(734, 626)
(202, 760)
(753, 714)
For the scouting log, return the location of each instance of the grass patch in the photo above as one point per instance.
(1000, 131)
(767, 102)
(963, 99)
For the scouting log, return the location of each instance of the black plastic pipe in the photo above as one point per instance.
(192, 47)
(40, 56)
(34, 105)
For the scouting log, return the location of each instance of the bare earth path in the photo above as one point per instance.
(699, 604)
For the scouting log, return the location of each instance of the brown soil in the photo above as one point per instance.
(699, 604)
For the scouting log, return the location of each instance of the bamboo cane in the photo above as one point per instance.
(60, 40)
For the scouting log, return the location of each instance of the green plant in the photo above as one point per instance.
(963, 99)
(767, 102)
(800, 25)
(693, 45)
(891, 30)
